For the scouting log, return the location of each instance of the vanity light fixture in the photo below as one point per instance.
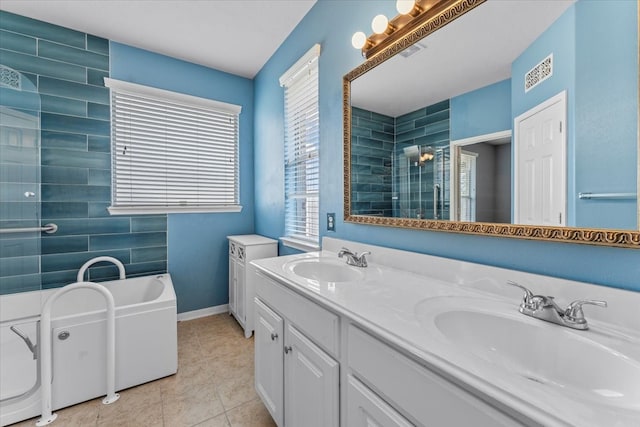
(379, 24)
(404, 7)
(412, 15)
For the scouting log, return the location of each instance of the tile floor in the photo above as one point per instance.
(213, 386)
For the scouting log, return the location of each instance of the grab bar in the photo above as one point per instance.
(436, 194)
(589, 196)
(47, 228)
(46, 367)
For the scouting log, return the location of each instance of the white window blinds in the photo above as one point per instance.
(302, 141)
(172, 152)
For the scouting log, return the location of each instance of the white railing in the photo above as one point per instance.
(47, 416)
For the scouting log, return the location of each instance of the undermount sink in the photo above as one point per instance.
(325, 270)
(541, 352)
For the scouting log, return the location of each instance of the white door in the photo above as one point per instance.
(311, 383)
(540, 164)
(269, 363)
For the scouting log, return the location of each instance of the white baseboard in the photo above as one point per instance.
(189, 315)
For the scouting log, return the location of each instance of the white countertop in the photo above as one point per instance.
(399, 306)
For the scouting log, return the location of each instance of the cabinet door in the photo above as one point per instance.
(232, 284)
(311, 383)
(240, 292)
(269, 363)
(366, 409)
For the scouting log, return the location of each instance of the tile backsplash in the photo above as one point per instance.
(67, 67)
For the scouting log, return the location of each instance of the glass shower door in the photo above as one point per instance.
(20, 250)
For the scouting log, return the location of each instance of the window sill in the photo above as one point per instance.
(300, 245)
(151, 210)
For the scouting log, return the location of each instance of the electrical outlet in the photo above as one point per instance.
(331, 222)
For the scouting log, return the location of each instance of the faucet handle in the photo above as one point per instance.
(363, 260)
(528, 299)
(574, 310)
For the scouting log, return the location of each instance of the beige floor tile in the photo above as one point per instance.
(187, 376)
(131, 400)
(219, 421)
(191, 407)
(236, 391)
(251, 414)
(231, 365)
(149, 415)
(83, 414)
(225, 344)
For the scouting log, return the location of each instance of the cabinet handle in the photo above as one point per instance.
(274, 336)
(287, 349)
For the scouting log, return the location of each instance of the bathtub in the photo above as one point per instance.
(146, 343)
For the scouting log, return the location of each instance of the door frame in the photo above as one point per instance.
(453, 169)
(558, 98)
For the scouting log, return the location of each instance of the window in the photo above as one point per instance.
(301, 160)
(467, 181)
(172, 152)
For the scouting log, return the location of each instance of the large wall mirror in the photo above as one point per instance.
(512, 118)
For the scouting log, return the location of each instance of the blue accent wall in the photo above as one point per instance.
(198, 256)
(482, 111)
(601, 265)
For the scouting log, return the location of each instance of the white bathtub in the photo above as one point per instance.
(146, 343)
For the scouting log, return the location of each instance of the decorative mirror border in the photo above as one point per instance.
(414, 33)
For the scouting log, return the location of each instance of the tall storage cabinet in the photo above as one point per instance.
(242, 250)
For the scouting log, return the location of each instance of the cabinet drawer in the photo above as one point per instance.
(415, 391)
(322, 326)
(365, 408)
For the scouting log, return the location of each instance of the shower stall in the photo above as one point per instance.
(421, 182)
(20, 234)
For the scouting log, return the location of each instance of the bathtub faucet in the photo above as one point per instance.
(96, 260)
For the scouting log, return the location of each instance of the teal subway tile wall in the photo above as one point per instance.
(372, 137)
(67, 69)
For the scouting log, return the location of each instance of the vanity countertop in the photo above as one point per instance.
(401, 307)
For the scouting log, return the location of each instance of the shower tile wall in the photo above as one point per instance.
(428, 126)
(68, 68)
(372, 141)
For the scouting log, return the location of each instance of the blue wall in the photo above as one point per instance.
(606, 45)
(482, 111)
(197, 258)
(609, 266)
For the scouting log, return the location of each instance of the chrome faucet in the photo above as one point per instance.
(353, 258)
(545, 308)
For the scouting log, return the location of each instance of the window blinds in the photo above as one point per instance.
(172, 152)
(302, 141)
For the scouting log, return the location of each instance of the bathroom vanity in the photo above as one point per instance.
(419, 340)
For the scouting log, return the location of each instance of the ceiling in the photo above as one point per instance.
(473, 51)
(235, 36)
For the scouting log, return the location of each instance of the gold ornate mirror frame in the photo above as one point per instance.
(420, 27)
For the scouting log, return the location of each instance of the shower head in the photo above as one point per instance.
(411, 151)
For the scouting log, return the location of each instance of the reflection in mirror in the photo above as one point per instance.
(433, 134)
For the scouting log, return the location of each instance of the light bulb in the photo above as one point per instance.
(405, 6)
(379, 24)
(358, 40)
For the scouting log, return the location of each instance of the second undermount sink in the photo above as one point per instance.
(325, 270)
(541, 352)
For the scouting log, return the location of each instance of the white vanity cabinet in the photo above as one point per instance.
(409, 388)
(296, 343)
(242, 250)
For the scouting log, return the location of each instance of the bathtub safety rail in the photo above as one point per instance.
(96, 260)
(45, 348)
